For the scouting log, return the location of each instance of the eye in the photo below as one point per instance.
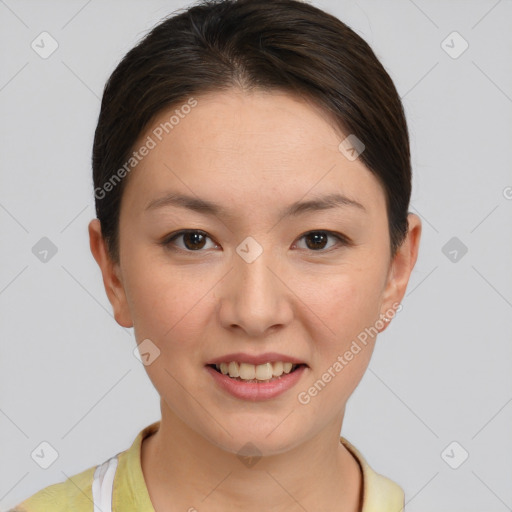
(319, 238)
(194, 240)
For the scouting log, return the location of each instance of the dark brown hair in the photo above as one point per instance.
(268, 44)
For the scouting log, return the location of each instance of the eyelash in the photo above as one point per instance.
(167, 242)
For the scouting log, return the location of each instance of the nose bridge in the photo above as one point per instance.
(256, 297)
(255, 278)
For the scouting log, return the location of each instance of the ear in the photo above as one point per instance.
(401, 267)
(111, 275)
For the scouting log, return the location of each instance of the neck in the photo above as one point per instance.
(184, 471)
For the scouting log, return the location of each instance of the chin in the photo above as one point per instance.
(254, 437)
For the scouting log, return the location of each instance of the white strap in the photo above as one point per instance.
(102, 485)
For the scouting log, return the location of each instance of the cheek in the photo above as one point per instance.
(349, 307)
(164, 301)
(351, 300)
(341, 357)
(168, 308)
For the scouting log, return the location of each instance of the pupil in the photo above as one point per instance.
(194, 237)
(316, 237)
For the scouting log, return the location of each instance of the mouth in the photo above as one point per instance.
(256, 373)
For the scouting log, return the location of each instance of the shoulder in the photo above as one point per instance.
(383, 494)
(75, 493)
(122, 472)
(380, 493)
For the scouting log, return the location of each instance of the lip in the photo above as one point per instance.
(253, 390)
(267, 357)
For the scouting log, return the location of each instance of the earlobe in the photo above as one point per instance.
(401, 267)
(111, 275)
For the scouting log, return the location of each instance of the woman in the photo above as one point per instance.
(252, 179)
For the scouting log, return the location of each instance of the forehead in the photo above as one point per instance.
(240, 146)
(235, 121)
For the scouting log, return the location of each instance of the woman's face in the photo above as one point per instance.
(252, 282)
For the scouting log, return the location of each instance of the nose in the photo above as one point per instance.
(255, 298)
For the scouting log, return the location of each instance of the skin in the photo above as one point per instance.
(253, 153)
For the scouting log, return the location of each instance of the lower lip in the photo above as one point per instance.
(254, 390)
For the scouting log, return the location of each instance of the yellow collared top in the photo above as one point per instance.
(126, 489)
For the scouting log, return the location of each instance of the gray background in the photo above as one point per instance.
(441, 372)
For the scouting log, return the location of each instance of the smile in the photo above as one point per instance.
(252, 382)
(265, 372)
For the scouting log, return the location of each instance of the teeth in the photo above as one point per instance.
(233, 369)
(247, 371)
(277, 369)
(264, 371)
(260, 372)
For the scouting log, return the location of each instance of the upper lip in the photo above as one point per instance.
(267, 357)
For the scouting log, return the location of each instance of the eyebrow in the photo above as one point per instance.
(205, 207)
